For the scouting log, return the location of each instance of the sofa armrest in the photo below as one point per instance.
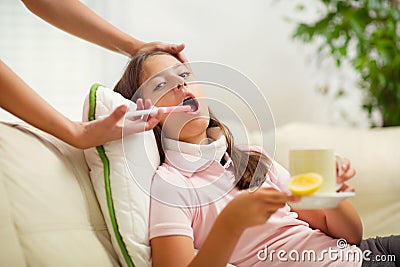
(49, 214)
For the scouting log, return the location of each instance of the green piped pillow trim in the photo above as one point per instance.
(107, 184)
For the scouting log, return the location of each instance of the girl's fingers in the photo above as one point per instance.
(271, 208)
(347, 172)
(294, 198)
(272, 196)
(343, 167)
(346, 188)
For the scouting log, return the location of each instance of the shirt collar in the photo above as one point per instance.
(189, 158)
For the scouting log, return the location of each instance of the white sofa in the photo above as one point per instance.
(49, 215)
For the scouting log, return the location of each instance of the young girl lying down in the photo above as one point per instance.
(200, 196)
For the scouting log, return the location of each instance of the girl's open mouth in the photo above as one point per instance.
(193, 103)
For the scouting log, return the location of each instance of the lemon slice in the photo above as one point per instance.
(305, 184)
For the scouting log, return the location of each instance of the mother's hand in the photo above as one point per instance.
(174, 49)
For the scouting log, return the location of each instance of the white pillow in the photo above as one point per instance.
(121, 173)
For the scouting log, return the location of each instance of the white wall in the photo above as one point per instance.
(250, 36)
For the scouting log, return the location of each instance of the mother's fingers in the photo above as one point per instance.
(154, 120)
(147, 105)
(139, 106)
(182, 58)
(132, 127)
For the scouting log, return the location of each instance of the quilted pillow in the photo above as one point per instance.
(121, 173)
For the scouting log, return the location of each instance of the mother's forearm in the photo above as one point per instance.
(77, 19)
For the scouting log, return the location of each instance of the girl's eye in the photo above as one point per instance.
(185, 74)
(159, 85)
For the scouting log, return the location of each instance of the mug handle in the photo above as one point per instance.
(339, 171)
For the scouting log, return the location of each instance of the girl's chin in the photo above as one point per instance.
(195, 126)
(176, 121)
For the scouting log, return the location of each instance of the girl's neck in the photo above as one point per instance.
(201, 139)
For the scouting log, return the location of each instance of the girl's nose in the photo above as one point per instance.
(182, 86)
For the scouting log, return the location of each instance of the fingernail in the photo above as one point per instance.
(124, 108)
(294, 198)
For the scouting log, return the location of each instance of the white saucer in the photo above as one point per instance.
(321, 200)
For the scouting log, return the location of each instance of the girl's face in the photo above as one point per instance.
(168, 82)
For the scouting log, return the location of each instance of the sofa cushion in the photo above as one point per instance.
(49, 213)
(374, 153)
(121, 173)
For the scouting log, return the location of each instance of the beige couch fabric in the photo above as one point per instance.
(49, 213)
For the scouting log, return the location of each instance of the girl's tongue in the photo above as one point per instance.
(194, 105)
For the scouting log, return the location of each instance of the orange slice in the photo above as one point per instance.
(305, 184)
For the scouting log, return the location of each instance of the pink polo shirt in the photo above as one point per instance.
(192, 187)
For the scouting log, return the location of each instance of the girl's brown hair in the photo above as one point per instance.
(249, 165)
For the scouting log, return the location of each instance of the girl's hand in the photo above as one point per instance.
(254, 208)
(347, 172)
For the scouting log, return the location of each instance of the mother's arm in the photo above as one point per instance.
(76, 18)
